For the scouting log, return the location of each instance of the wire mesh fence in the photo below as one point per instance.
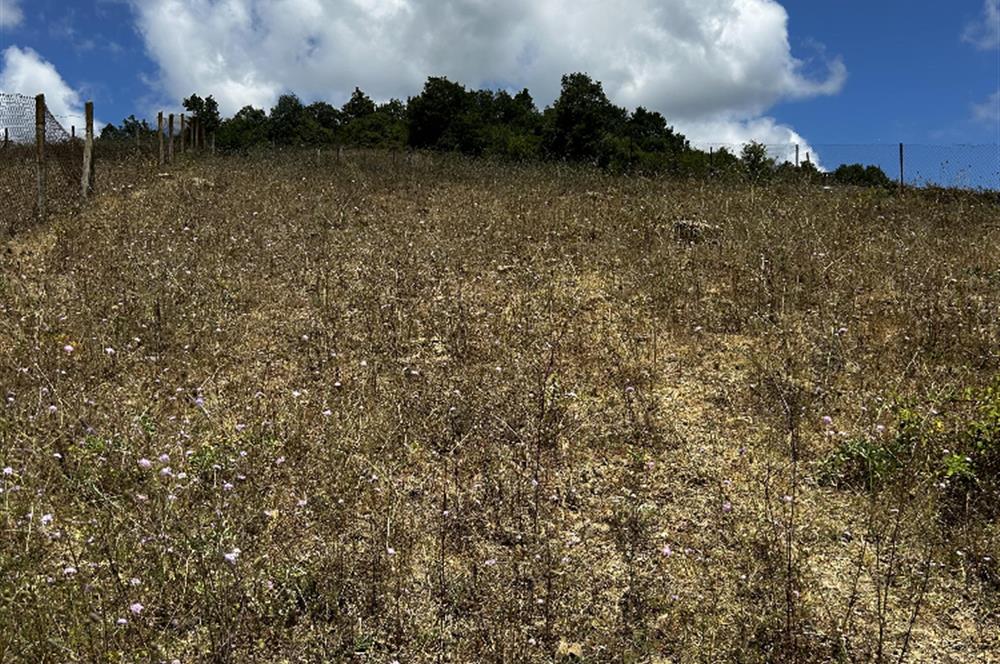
(954, 166)
(61, 163)
(125, 159)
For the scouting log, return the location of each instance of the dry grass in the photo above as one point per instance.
(454, 411)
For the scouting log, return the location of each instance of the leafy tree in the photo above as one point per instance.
(130, 126)
(291, 124)
(861, 176)
(756, 163)
(206, 110)
(649, 132)
(394, 110)
(378, 130)
(580, 118)
(285, 118)
(358, 106)
(246, 129)
(326, 116)
(435, 112)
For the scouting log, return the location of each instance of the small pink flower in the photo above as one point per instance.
(827, 421)
(231, 556)
(68, 348)
(727, 506)
(69, 571)
(136, 608)
(227, 486)
(164, 458)
(666, 551)
(145, 464)
(121, 621)
(166, 471)
(46, 519)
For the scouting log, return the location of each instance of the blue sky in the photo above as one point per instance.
(864, 72)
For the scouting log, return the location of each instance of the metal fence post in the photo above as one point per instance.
(40, 153)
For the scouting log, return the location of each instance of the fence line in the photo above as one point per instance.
(968, 166)
(43, 167)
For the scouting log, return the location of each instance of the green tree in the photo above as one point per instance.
(327, 116)
(247, 129)
(434, 114)
(358, 106)
(129, 128)
(580, 119)
(861, 176)
(756, 164)
(206, 110)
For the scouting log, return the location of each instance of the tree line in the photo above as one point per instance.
(582, 126)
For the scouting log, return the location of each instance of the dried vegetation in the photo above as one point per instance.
(427, 409)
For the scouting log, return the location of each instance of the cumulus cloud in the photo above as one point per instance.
(732, 134)
(10, 13)
(985, 32)
(712, 64)
(989, 111)
(26, 72)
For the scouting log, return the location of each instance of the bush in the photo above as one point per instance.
(956, 446)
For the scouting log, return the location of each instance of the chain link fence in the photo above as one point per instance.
(62, 165)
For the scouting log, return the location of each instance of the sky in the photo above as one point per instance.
(721, 71)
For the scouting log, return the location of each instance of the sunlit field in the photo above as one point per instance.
(404, 408)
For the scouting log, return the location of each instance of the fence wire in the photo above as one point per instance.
(956, 166)
(18, 164)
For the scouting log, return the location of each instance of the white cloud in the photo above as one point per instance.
(10, 13)
(733, 134)
(989, 111)
(26, 72)
(985, 32)
(703, 63)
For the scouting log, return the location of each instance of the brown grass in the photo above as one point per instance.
(476, 412)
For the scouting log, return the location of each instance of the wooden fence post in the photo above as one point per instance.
(183, 126)
(796, 155)
(87, 179)
(40, 153)
(159, 133)
(170, 139)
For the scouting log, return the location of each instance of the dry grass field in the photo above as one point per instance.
(290, 409)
